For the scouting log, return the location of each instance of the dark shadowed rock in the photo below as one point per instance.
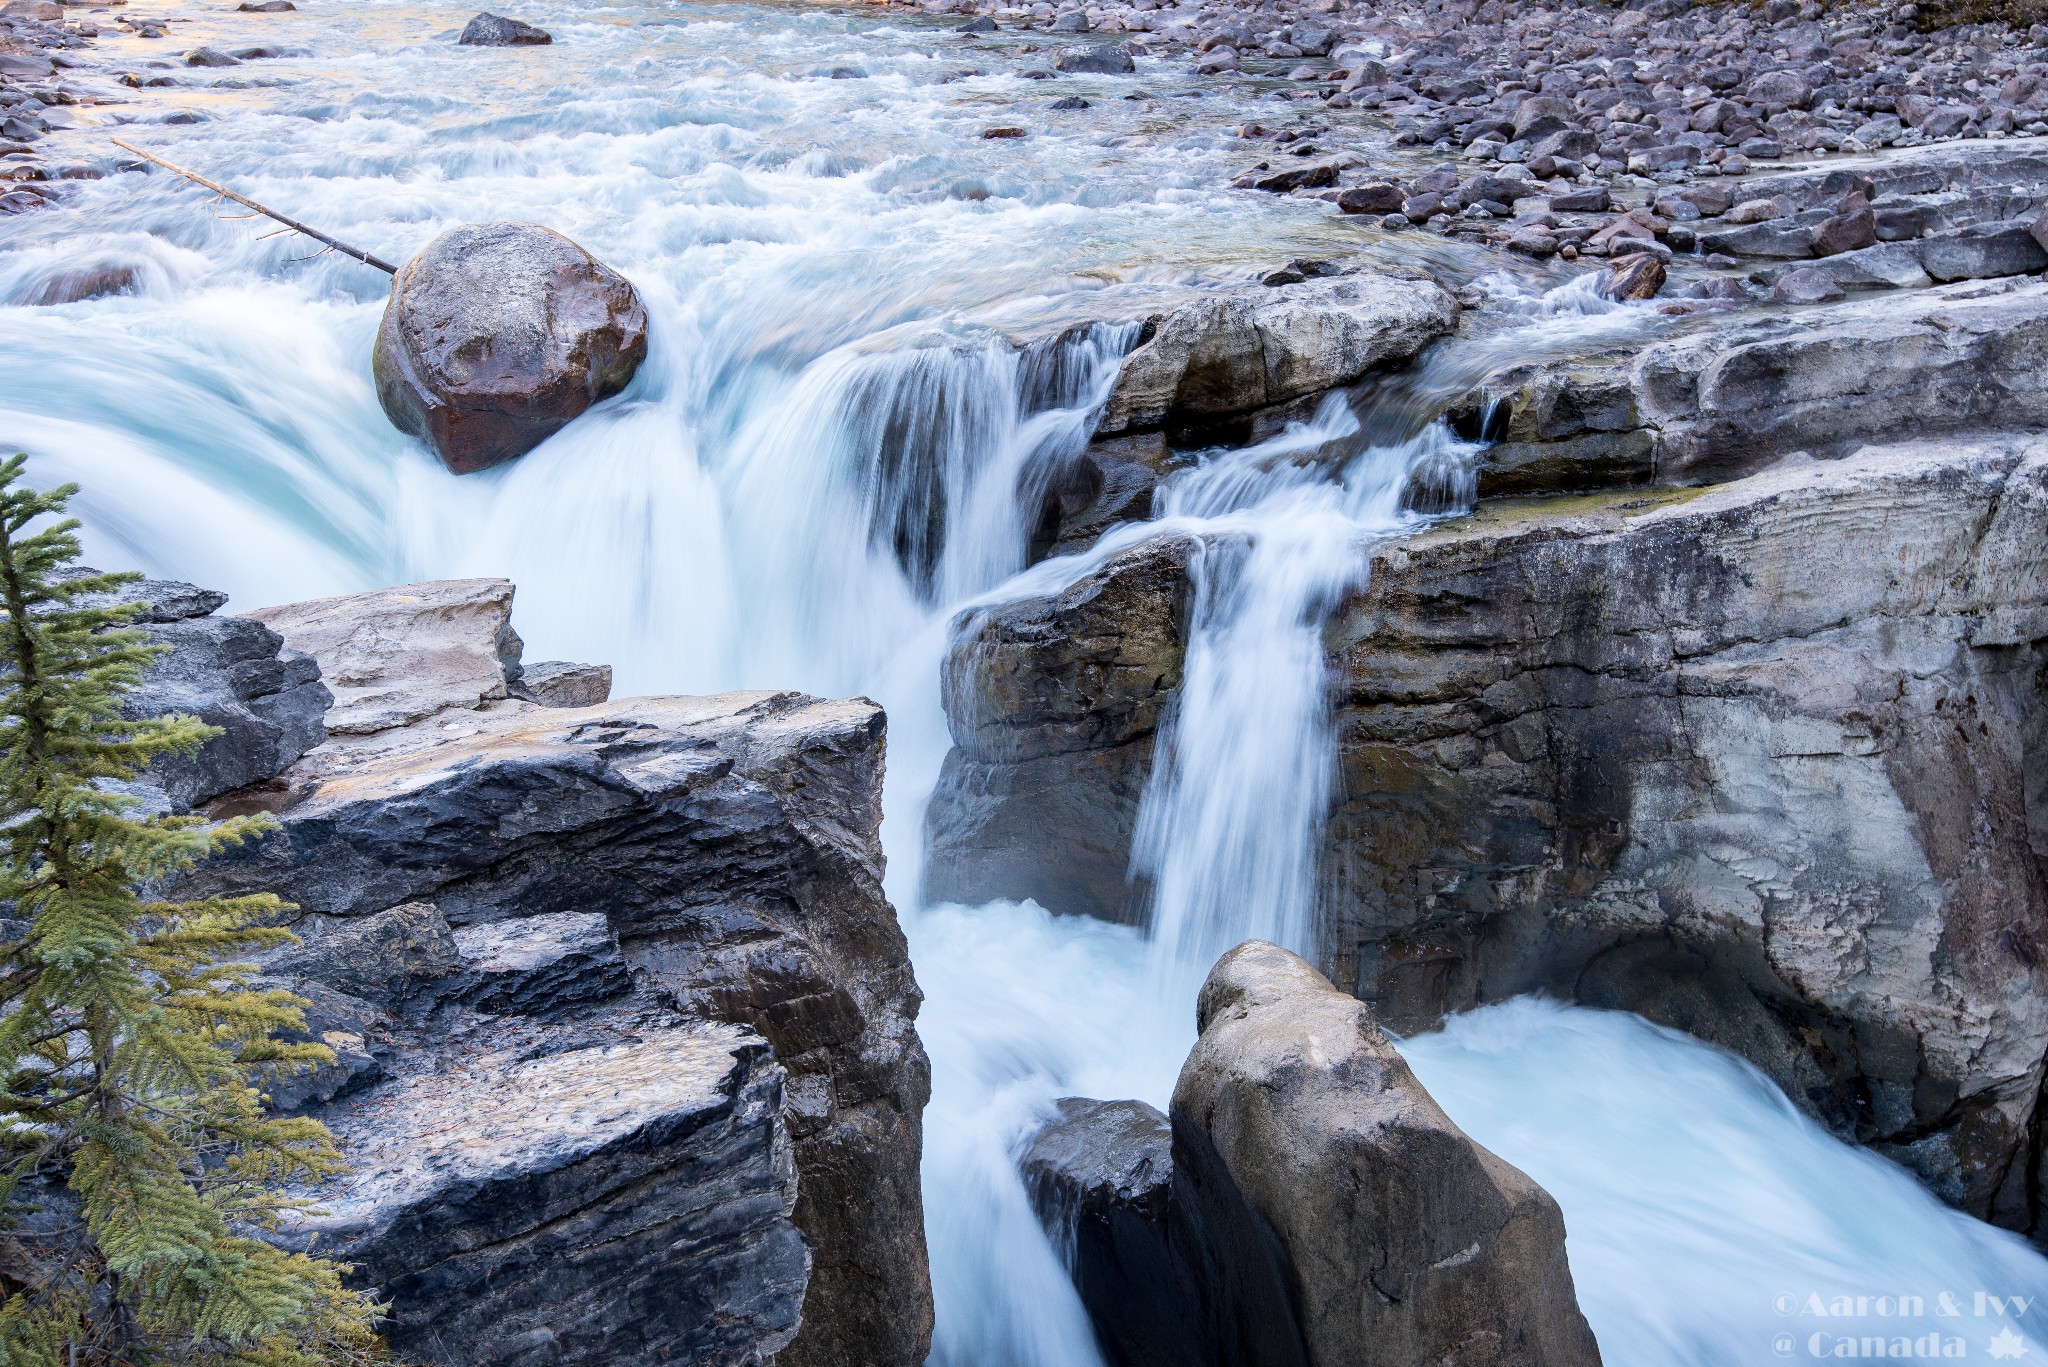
(266, 6)
(1054, 703)
(230, 672)
(498, 335)
(1391, 1235)
(494, 30)
(1100, 1175)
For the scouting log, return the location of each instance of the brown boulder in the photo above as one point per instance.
(498, 335)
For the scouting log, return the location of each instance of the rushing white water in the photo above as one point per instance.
(837, 442)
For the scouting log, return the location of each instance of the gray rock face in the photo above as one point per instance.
(497, 335)
(229, 672)
(558, 683)
(677, 897)
(1762, 764)
(1728, 397)
(1230, 352)
(400, 655)
(1395, 1238)
(625, 1201)
(1054, 703)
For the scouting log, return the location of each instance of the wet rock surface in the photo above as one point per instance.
(497, 335)
(495, 30)
(1054, 704)
(625, 1062)
(1760, 761)
(1301, 1158)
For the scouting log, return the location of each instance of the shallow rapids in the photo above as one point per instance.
(832, 450)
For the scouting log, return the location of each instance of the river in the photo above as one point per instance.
(831, 253)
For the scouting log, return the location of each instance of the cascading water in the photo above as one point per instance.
(854, 407)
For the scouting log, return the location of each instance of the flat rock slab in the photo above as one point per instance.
(627, 1202)
(1233, 351)
(397, 656)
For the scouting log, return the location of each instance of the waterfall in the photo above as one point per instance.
(830, 451)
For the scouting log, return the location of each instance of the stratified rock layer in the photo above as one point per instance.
(1764, 763)
(730, 845)
(1727, 397)
(497, 335)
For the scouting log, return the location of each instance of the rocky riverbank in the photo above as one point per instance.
(626, 1067)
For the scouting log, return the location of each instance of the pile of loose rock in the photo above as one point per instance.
(1563, 116)
(36, 47)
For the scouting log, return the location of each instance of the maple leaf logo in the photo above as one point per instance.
(2006, 1344)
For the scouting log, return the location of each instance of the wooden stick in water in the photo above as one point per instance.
(246, 202)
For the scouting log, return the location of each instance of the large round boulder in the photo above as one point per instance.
(497, 335)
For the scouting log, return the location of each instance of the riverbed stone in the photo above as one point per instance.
(497, 335)
(495, 30)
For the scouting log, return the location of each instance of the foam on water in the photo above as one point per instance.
(838, 441)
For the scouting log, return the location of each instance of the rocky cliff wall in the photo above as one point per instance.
(1763, 761)
(626, 1063)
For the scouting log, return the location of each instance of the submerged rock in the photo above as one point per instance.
(498, 335)
(495, 30)
(1100, 1176)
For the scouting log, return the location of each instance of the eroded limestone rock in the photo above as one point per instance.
(396, 656)
(1233, 351)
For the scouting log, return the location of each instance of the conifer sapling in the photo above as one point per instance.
(141, 1163)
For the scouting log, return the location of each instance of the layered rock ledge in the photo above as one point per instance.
(626, 1064)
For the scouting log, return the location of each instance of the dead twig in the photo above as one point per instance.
(243, 200)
